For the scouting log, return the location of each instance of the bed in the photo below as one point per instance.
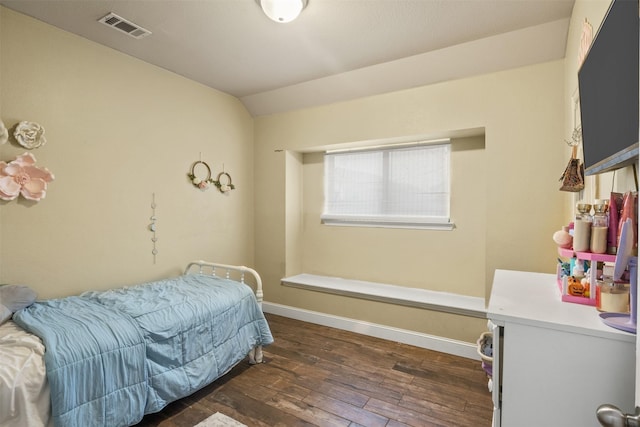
(108, 358)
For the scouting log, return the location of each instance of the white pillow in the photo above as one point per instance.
(5, 314)
(14, 298)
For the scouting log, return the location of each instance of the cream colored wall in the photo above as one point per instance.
(599, 186)
(294, 215)
(118, 130)
(521, 112)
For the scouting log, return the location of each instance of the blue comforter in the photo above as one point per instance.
(114, 356)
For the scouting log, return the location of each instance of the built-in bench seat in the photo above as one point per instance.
(413, 297)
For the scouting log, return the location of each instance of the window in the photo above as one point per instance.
(402, 186)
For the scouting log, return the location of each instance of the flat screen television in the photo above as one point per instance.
(608, 90)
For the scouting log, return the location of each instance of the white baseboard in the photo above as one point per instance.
(430, 342)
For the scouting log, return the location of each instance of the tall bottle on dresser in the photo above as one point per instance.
(582, 228)
(599, 228)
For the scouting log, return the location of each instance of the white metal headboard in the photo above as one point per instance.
(225, 270)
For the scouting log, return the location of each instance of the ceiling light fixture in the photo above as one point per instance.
(282, 10)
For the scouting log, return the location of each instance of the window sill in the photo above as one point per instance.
(421, 226)
(401, 295)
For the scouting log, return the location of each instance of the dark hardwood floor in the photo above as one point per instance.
(319, 376)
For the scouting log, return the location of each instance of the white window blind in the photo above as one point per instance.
(402, 186)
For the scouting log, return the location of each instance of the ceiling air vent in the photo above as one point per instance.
(121, 24)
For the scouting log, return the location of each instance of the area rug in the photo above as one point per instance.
(219, 420)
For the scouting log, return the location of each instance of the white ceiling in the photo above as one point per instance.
(335, 50)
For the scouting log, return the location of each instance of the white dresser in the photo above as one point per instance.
(556, 362)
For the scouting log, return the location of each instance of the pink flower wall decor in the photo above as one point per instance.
(22, 176)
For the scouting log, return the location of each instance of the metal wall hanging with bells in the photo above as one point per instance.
(152, 226)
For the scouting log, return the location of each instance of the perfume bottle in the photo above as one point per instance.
(599, 229)
(582, 228)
